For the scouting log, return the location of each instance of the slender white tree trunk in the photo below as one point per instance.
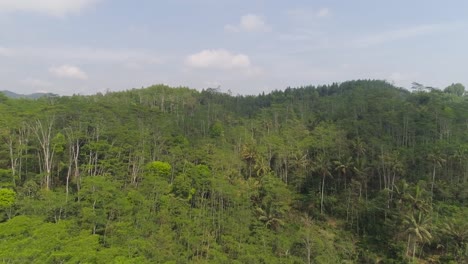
(321, 200)
(44, 136)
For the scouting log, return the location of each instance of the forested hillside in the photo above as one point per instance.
(358, 172)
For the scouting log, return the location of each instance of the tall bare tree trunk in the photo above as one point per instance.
(43, 134)
(321, 200)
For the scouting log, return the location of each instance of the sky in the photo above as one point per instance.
(246, 47)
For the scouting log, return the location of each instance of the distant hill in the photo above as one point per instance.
(30, 96)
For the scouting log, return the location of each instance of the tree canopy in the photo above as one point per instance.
(356, 172)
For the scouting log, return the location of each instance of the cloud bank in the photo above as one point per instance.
(68, 71)
(49, 7)
(35, 82)
(323, 12)
(249, 23)
(5, 52)
(403, 33)
(305, 15)
(218, 59)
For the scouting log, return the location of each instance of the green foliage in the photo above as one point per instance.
(159, 169)
(217, 130)
(7, 198)
(182, 187)
(3, 98)
(6, 178)
(356, 172)
(456, 89)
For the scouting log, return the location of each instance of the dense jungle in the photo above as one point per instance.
(354, 172)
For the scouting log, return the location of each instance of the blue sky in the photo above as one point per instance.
(89, 46)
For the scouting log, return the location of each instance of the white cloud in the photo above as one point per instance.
(127, 58)
(397, 76)
(314, 38)
(133, 66)
(133, 56)
(323, 12)
(249, 23)
(68, 71)
(218, 59)
(5, 52)
(35, 83)
(49, 7)
(92, 54)
(399, 34)
(213, 84)
(295, 37)
(305, 15)
(254, 71)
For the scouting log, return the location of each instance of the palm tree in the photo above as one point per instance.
(300, 163)
(249, 155)
(417, 201)
(418, 230)
(359, 148)
(456, 234)
(262, 167)
(343, 167)
(321, 165)
(437, 161)
(270, 216)
(460, 157)
(391, 168)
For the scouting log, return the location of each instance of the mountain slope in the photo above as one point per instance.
(357, 172)
(29, 96)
